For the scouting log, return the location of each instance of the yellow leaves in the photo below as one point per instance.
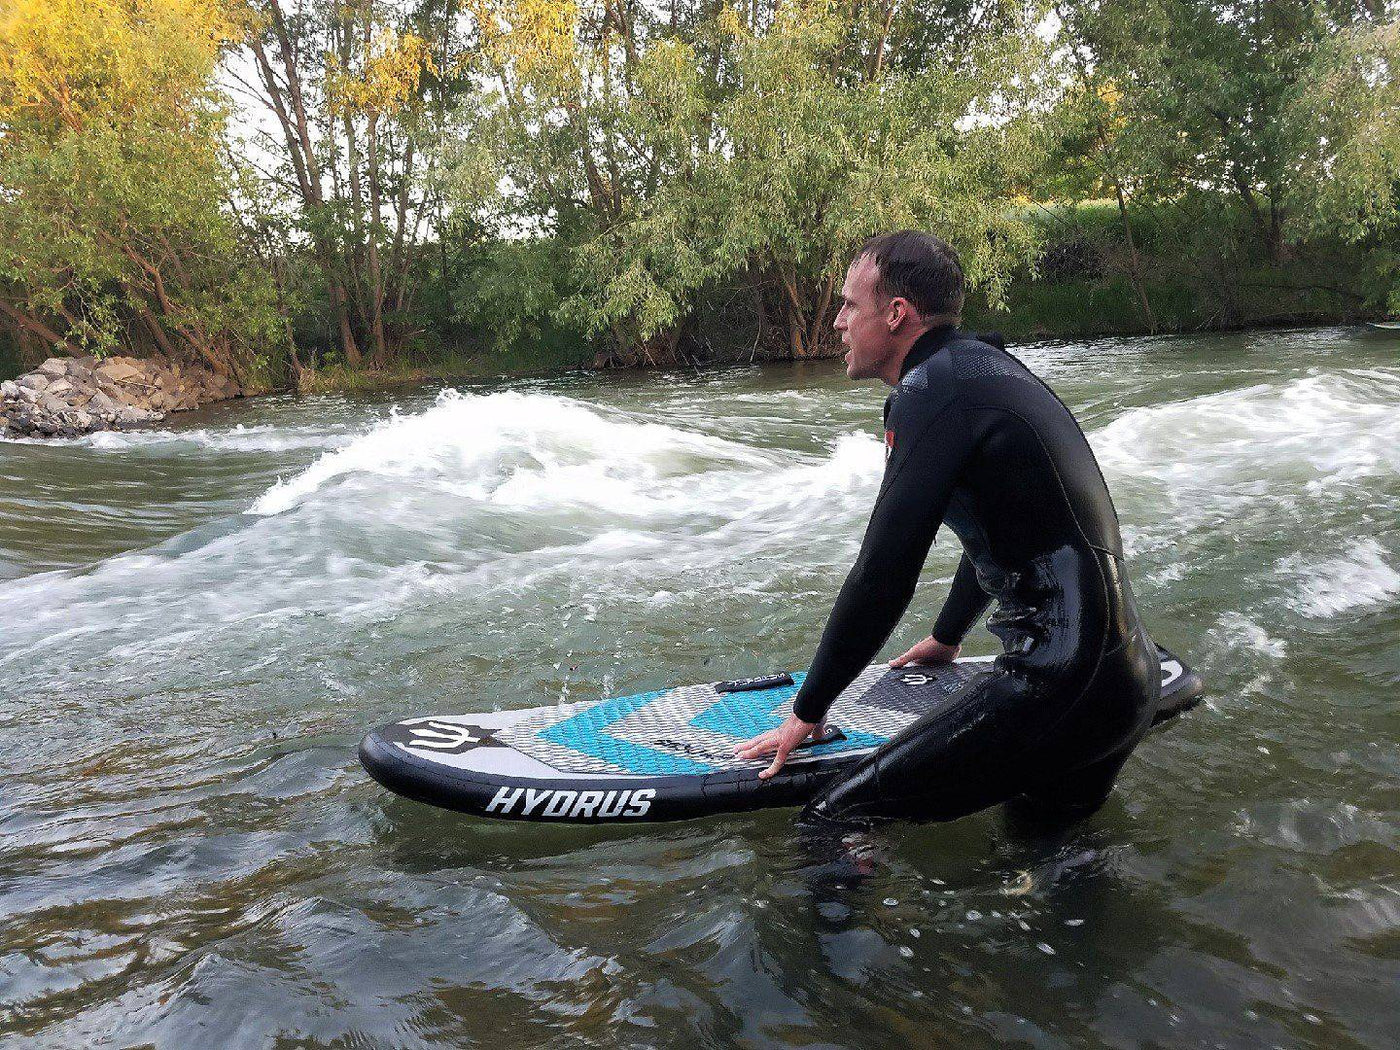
(537, 38)
(1110, 94)
(730, 23)
(68, 61)
(387, 81)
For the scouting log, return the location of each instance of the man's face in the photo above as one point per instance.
(864, 321)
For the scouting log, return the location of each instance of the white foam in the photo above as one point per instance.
(521, 451)
(1238, 630)
(478, 498)
(1361, 578)
(1321, 429)
(239, 438)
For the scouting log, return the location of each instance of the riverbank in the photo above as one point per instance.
(68, 397)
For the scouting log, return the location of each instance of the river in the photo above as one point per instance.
(197, 625)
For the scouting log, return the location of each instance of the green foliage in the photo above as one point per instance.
(112, 229)
(671, 161)
(1203, 264)
(521, 184)
(1347, 179)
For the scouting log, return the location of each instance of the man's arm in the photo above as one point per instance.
(966, 601)
(931, 445)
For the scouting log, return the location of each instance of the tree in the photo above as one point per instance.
(357, 92)
(1201, 89)
(703, 147)
(1347, 122)
(112, 227)
(832, 133)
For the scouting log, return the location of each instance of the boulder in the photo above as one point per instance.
(119, 370)
(67, 396)
(131, 416)
(52, 405)
(101, 405)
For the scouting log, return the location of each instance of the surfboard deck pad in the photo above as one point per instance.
(668, 754)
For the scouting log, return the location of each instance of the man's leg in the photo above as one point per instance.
(1060, 745)
(956, 760)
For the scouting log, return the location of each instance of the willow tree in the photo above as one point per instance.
(830, 132)
(355, 92)
(683, 149)
(113, 233)
(1346, 121)
(593, 107)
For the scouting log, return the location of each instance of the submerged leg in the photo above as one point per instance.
(956, 760)
(1001, 737)
(1065, 799)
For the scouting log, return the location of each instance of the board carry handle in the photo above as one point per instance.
(831, 735)
(743, 685)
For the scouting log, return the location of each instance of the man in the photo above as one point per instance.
(975, 440)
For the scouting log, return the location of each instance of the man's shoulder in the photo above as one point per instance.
(925, 390)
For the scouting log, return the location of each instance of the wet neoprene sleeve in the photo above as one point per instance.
(931, 444)
(966, 601)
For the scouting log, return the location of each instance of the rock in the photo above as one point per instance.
(130, 416)
(50, 404)
(69, 396)
(119, 370)
(102, 405)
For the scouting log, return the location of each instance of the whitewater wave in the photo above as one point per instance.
(478, 498)
(239, 438)
(529, 452)
(1317, 430)
(1362, 578)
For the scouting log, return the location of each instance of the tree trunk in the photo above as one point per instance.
(380, 356)
(38, 327)
(1134, 269)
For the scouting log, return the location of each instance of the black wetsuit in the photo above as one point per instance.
(975, 440)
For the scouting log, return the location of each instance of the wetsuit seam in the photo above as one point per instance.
(1075, 420)
(1050, 462)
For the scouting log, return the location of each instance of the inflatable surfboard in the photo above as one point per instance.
(666, 755)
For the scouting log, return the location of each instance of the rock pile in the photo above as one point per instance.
(68, 396)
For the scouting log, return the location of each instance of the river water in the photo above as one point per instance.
(199, 623)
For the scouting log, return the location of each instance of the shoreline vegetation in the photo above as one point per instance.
(328, 195)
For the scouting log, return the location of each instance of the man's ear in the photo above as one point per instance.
(900, 311)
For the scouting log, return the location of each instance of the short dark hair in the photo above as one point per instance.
(921, 268)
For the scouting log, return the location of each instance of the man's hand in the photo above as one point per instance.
(782, 740)
(929, 651)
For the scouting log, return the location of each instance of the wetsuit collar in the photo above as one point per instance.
(928, 344)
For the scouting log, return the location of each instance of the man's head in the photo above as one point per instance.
(899, 286)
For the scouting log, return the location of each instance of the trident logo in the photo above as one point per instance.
(444, 736)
